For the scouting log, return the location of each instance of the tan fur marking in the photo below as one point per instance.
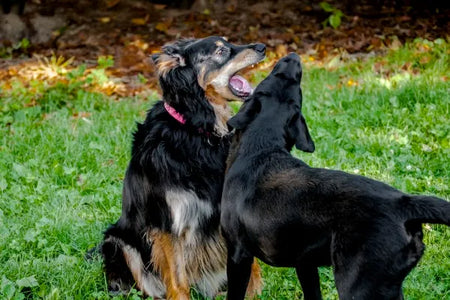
(163, 257)
(221, 90)
(214, 97)
(221, 110)
(219, 44)
(286, 179)
(211, 75)
(182, 265)
(255, 284)
(201, 78)
(165, 64)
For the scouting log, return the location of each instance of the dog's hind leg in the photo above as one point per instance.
(165, 261)
(308, 276)
(149, 283)
(120, 279)
(255, 283)
(125, 268)
(376, 268)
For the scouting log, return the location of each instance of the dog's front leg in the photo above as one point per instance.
(238, 273)
(165, 260)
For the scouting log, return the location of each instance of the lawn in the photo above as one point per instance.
(64, 151)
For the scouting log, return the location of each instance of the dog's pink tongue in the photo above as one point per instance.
(241, 85)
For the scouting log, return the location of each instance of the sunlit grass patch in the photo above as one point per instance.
(64, 150)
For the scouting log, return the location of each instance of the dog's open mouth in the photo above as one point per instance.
(240, 87)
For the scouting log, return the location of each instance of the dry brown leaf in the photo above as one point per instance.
(281, 50)
(161, 27)
(139, 21)
(395, 44)
(111, 3)
(105, 19)
(159, 6)
(140, 44)
(81, 114)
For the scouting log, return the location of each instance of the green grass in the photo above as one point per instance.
(63, 161)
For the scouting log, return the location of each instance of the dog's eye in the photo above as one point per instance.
(221, 51)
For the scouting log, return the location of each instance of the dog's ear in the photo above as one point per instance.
(172, 57)
(297, 131)
(175, 52)
(245, 115)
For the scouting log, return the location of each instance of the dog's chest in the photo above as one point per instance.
(188, 212)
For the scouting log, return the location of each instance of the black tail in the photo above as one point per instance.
(425, 209)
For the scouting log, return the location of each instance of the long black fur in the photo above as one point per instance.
(164, 155)
(277, 208)
(168, 155)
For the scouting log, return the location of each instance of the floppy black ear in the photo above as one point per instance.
(175, 51)
(297, 131)
(245, 115)
(170, 58)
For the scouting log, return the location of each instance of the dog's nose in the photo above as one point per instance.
(294, 56)
(261, 48)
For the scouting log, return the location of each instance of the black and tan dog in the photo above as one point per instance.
(277, 208)
(167, 238)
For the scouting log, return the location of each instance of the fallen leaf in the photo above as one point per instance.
(404, 18)
(139, 21)
(111, 3)
(159, 6)
(281, 50)
(406, 66)
(231, 7)
(351, 82)
(105, 19)
(140, 44)
(161, 27)
(395, 44)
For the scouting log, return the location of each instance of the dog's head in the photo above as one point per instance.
(210, 63)
(279, 98)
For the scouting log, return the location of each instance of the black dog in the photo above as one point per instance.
(167, 238)
(279, 209)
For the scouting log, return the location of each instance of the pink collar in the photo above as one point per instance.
(176, 115)
(180, 118)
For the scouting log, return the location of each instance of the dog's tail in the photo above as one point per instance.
(425, 209)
